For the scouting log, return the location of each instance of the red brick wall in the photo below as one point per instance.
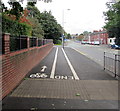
(17, 64)
(102, 37)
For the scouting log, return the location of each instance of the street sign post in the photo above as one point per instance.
(63, 41)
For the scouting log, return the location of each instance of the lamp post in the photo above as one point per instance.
(63, 28)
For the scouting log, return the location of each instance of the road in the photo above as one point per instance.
(65, 79)
(93, 52)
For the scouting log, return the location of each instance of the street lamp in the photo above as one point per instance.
(63, 27)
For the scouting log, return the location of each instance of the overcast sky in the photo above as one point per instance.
(84, 15)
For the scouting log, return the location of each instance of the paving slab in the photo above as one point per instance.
(64, 94)
(68, 89)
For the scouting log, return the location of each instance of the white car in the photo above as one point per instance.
(95, 43)
(83, 42)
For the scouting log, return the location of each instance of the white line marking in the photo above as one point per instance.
(54, 65)
(79, 51)
(70, 65)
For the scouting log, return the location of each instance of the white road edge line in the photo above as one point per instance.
(70, 65)
(54, 65)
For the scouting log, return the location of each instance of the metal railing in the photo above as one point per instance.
(112, 63)
(22, 42)
(40, 42)
(33, 42)
(18, 43)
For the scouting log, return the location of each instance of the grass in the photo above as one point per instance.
(58, 44)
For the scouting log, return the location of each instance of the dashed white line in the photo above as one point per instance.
(70, 65)
(54, 65)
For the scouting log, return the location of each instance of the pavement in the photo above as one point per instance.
(78, 83)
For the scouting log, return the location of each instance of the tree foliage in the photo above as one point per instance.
(36, 28)
(14, 27)
(113, 21)
(68, 36)
(80, 37)
(33, 17)
(42, 24)
(16, 10)
(52, 30)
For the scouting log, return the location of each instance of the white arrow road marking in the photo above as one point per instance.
(54, 65)
(43, 68)
(70, 65)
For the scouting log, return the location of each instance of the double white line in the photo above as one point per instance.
(69, 63)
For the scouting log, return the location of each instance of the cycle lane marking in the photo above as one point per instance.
(54, 65)
(70, 65)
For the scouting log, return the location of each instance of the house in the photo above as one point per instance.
(100, 36)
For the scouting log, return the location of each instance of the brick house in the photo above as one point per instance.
(101, 36)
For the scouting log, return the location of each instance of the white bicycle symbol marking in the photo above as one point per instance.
(38, 75)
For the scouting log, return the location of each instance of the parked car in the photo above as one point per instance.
(114, 46)
(83, 42)
(90, 42)
(95, 43)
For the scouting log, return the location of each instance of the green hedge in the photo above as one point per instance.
(14, 27)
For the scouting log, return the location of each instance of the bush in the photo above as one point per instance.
(14, 27)
(57, 42)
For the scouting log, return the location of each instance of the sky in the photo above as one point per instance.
(83, 15)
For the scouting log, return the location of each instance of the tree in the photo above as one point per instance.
(113, 21)
(46, 1)
(16, 10)
(52, 30)
(36, 28)
(68, 36)
(33, 16)
(33, 11)
(31, 3)
(80, 37)
(3, 8)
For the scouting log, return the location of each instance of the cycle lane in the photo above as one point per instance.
(44, 67)
(53, 66)
(62, 70)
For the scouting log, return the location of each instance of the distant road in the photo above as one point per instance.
(93, 52)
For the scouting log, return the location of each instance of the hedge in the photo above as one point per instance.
(14, 27)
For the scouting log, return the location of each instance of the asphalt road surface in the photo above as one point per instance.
(66, 64)
(65, 79)
(94, 52)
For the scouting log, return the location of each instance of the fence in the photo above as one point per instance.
(24, 42)
(18, 43)
(112, 63)
(33, 42)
